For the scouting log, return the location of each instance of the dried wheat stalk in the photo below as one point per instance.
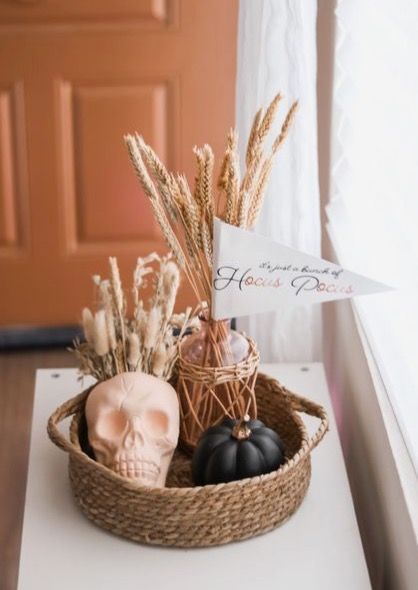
(185, 216)
(148, 340)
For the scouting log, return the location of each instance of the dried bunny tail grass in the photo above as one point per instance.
(185, 321)
(170, 284)
(257, 198)
(86, 365)
(171, 277)
(139, 281)
(147, 337)
(116, 320)
(134, 350)
(106, 304)
(105, 297)
(88, 325)
(152, 328)
(141, 320)
(116, 284)
(285, 127)
(194, 323)
(177, 320)
(159, 360)
(110, 328)
(142, 270)
(101, 343)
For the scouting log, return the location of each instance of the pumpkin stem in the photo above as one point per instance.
(241, 430)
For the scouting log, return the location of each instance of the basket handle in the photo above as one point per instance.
(67, 409)
(301, 404)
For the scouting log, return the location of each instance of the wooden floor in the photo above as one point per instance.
(17, 378)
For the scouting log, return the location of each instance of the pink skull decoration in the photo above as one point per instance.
(133, 426)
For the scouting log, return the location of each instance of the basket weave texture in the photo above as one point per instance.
(185, 516)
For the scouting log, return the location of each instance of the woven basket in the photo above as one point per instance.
(185, 516)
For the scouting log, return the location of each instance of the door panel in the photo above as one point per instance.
(13, 184)
(68, 94)
(48, 12)
(103, 203)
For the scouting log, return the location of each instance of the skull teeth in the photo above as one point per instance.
(137, 469)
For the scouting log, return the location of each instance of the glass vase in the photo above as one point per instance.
(217, 372)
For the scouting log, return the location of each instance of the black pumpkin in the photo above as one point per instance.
(236, 449)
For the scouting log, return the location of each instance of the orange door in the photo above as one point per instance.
(74, 77)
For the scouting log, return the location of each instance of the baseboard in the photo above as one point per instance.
(18, 337)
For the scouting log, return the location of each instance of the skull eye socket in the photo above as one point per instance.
(156, 422)
(112, 424)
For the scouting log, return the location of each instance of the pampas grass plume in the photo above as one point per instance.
(116, 283)
(152, 328)
(110, 327)
(171, 281)
(171, 277)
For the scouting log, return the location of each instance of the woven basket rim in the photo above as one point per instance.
(75, 406)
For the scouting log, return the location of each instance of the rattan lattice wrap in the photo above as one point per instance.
(184, 516)
(207, 394)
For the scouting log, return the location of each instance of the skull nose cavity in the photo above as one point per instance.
(133, 437)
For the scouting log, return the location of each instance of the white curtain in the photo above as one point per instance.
(277, 52)
(373, 213)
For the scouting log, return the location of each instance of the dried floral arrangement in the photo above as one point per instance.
(146, 341)
(186, 216)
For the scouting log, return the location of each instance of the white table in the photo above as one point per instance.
(319, 547)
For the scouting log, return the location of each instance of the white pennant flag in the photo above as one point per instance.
(252, 274)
